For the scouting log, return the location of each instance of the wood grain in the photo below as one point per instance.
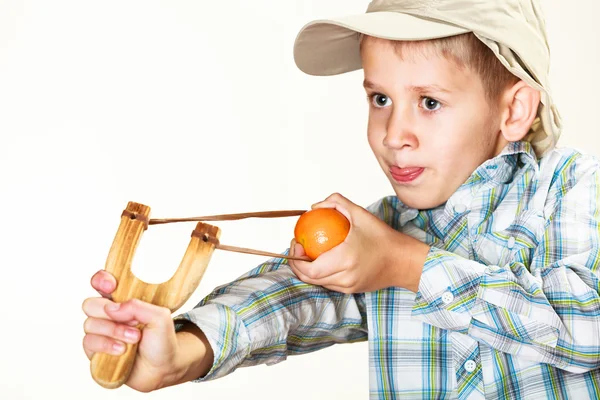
(112, 371)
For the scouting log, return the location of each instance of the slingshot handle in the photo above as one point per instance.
(112, 371)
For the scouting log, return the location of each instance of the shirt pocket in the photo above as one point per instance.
(514, 243)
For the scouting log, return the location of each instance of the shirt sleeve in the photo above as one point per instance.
(547, 311)
(268, 314)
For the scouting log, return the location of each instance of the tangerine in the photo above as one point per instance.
(320, 230)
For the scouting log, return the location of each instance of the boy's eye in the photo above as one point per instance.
(430, 104)
(381, 100)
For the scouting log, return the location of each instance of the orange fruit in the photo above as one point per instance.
(320, 230)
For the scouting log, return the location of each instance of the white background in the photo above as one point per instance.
(193, 108)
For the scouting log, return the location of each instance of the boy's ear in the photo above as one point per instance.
(521, 103)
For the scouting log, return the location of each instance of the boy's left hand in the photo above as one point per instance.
(373, 256)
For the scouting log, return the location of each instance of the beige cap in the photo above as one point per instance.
(514, 30)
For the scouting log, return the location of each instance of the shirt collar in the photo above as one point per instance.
(499, 169)
(502, 168)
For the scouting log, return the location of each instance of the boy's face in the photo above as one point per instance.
(430, 125)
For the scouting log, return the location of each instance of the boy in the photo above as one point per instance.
(478, 279)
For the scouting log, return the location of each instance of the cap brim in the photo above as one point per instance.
(330, 46)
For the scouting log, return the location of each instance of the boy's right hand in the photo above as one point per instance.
(110, 325)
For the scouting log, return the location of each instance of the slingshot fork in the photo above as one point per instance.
(112, 371)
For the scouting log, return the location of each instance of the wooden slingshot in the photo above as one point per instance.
(112, 371)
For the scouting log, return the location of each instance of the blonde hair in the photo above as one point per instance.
(466, 51)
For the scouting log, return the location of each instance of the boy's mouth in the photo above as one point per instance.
(405, 175)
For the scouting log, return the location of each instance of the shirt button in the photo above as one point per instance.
(470, 366)
(447, 297)
(460, 208)
(511, 242)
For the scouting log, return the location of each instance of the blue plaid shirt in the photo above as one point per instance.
(508, 305)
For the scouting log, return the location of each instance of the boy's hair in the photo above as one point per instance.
(465, 51)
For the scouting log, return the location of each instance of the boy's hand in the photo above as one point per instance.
(109, 325)
(374, 256)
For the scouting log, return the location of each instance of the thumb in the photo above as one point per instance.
(104, 283)
(296, 250)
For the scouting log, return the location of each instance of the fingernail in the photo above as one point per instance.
(131, 334)
(113, 306)
(118, 348)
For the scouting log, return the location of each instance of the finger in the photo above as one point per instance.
(333, 199)
(339, 289)
(301, 275)
(329, 202)
(304, 273)
(105, 327)
(326, 264)
(104, 283)
(154, 317)
(292, 252)
(344, 207)
(299, 250)
(89, 354)
(333, 282)
(310, 275)
(102, 344)
(339, 280)
(94, 307)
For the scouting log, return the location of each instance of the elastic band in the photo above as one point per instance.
(205, 237)
(137, 217)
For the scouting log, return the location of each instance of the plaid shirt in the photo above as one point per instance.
(508, 305)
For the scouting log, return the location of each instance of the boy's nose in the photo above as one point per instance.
(400, 131)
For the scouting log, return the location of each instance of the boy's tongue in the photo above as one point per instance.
(404, 171)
